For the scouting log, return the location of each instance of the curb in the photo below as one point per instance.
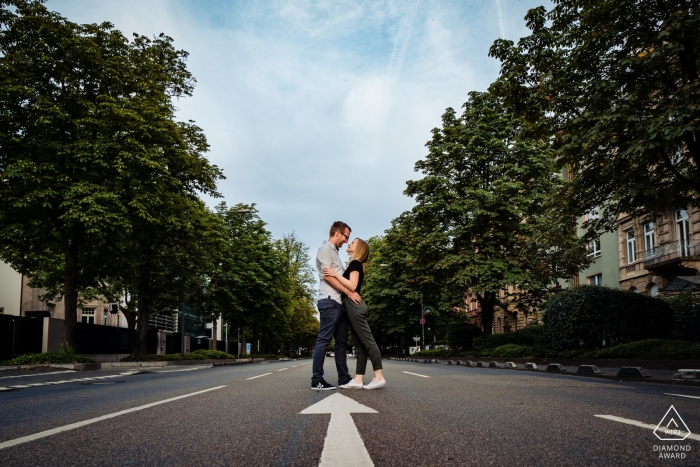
(495, 364)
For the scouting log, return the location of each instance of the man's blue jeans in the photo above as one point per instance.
(334, 324)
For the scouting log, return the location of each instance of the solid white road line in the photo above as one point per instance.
(627, 421)
(682, 395)
(259, 376)
(38, 374)
(72, 426)
(284, 369)
(343, 445)
(415, 374)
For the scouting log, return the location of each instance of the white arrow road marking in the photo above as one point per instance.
(682, 395)
(72, 426)
(415, 374)
(641, 425)
(259, 376)
(343, 445)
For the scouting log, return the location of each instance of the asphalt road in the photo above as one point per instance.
(437, 416)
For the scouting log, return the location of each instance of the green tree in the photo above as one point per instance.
(241, 287)
(484, 209)
(294, 320)
(87, 144)
(617, 83)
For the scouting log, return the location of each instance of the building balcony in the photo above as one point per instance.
(670, 254)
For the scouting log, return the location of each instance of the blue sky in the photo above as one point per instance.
(317, 111)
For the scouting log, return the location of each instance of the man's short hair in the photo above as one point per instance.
(339, 226)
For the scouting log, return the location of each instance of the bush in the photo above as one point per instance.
(648, 349)
(513, 351)
(531, 336)
(435, 353)
(200, 354)
(49, 357)
(686, 315)
(461, 336)
(593, 313)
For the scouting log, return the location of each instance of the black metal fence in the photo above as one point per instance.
(20, 335)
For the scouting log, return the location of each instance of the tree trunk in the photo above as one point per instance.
(243, 340)
(144, 304)
(283, 347)
(130, 319)
(487, 300)
(70, 294)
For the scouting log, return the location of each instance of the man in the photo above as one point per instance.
(334, 321)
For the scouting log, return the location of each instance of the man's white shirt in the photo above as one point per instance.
(327, 256)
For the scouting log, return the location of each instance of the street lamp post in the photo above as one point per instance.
(424, 310)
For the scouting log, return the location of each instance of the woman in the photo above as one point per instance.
(352, 278)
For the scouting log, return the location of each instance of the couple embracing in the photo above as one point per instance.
(341, 309)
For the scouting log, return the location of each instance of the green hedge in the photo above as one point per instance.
(648, 349)
(533, 336)
(593, 313)
(200, 354)
(513, 351)
(49, 357)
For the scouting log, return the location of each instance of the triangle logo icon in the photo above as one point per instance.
(672, 427)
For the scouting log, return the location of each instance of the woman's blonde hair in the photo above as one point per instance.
(361, 251)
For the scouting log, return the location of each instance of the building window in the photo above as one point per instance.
(592, 214)
(594, 248)
(50, 308)
(631, 247)
(575, 281)
(88, 315)
(596, 279)
(683, 232)
(649, 239)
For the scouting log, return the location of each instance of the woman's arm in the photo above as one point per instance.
(351, 283)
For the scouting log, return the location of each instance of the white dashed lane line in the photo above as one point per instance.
(415, 374)
(682, 395)
(636, 423)
(72, 426)
(64, 381)
(283, 369)
(38, 374)
(259, 376)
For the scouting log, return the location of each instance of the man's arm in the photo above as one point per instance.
(335, 283)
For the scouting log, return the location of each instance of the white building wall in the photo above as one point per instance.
(10, 289)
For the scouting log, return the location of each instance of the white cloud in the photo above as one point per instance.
(318, 110)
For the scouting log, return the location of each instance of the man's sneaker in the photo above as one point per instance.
(374, 384)
(322, 386)
(352, 385)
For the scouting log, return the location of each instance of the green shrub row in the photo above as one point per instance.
(586, 316)
(49, 357)
(200, 354)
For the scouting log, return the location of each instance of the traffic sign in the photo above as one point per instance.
(422, 321)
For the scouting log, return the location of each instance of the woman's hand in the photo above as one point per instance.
(329, 272)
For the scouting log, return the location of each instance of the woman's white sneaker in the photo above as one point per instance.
(352, 385)
(374, 384)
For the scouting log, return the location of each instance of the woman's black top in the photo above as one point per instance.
(355, 265)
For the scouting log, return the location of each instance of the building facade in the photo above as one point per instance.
(652, 252)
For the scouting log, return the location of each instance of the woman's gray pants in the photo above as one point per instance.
(362, 336)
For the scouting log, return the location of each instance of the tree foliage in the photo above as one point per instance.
(89, 149)
(617, 84)
(484, 216)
